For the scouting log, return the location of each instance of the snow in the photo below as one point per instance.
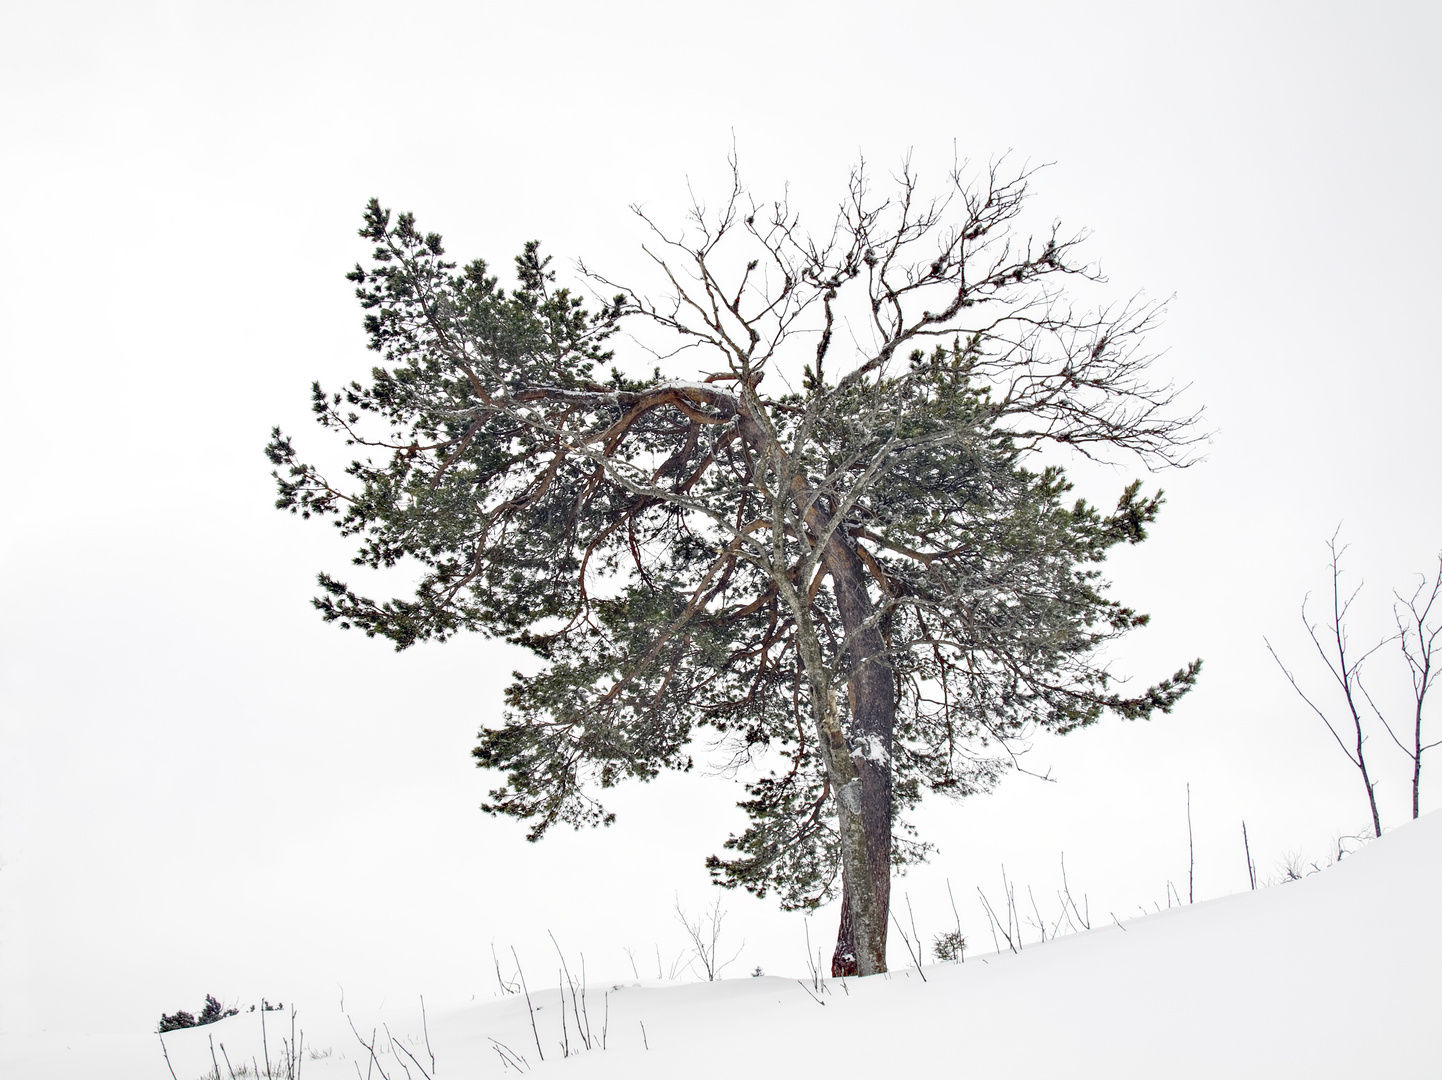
(1332, 976)
(868, 749)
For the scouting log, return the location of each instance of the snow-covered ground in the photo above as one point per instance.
(1337, 975)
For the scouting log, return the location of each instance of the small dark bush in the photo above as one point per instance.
(949, 946)
(212, 1012)
(181, 1019)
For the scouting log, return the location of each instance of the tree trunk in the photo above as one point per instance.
(859, 766)
(872, 697)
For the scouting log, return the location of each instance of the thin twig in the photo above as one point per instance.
(522, 975)
(816, 966)
(408, 1054)
(565, 1033)
(995, 923)
(1085, 920)
(264, 1043)
(1247, 848)
(166, 1052)
(907, 940)
(920, 949)
(509, 1057)
(426, 1029)
(961, 953)
(584, 1033)
(506, 988)
(1040, 923)
(392, 1040)
(370, 1048)
(1191, 856)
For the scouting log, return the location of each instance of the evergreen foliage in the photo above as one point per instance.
(176, 1020)
(212, 1011)
(701, 563)
(949, 946)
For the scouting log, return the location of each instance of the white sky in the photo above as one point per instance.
(205, 789)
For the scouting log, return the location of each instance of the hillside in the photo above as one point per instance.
(1332, 976)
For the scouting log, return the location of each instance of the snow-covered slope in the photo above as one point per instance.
(1338, 975)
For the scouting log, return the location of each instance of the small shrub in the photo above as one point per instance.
(949, 946)
(174, 1021)
(212, 1012)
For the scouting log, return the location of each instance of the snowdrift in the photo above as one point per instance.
(1337, 975)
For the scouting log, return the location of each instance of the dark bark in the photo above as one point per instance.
(872, 699)
(872, 702)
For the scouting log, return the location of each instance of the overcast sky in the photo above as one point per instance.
(203, 789)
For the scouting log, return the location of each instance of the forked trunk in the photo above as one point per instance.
(858, 767)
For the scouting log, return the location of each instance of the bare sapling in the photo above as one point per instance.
(1247, 850)
(705, 935)
(1344, 666)
(426, 1030)
(370, 1049)
(1340, 850)
(401, 1046)
(578, 996)
(508, 986)
(1083, 916)
(1038, 922)
(813, 966)
(530, 1009)
(292, 1050)
(264, 1042)
(509, 1058)
(166, 1052)
(914, 952)
(678, 965)
(1012, 930)
(1418, 630)
(1191, 851)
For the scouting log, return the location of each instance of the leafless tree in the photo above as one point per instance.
(705, 934)
(1419, 625)
(1418, 629)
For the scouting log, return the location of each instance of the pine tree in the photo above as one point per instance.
(854, 587)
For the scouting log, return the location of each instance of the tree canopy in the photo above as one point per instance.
(854, 586)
